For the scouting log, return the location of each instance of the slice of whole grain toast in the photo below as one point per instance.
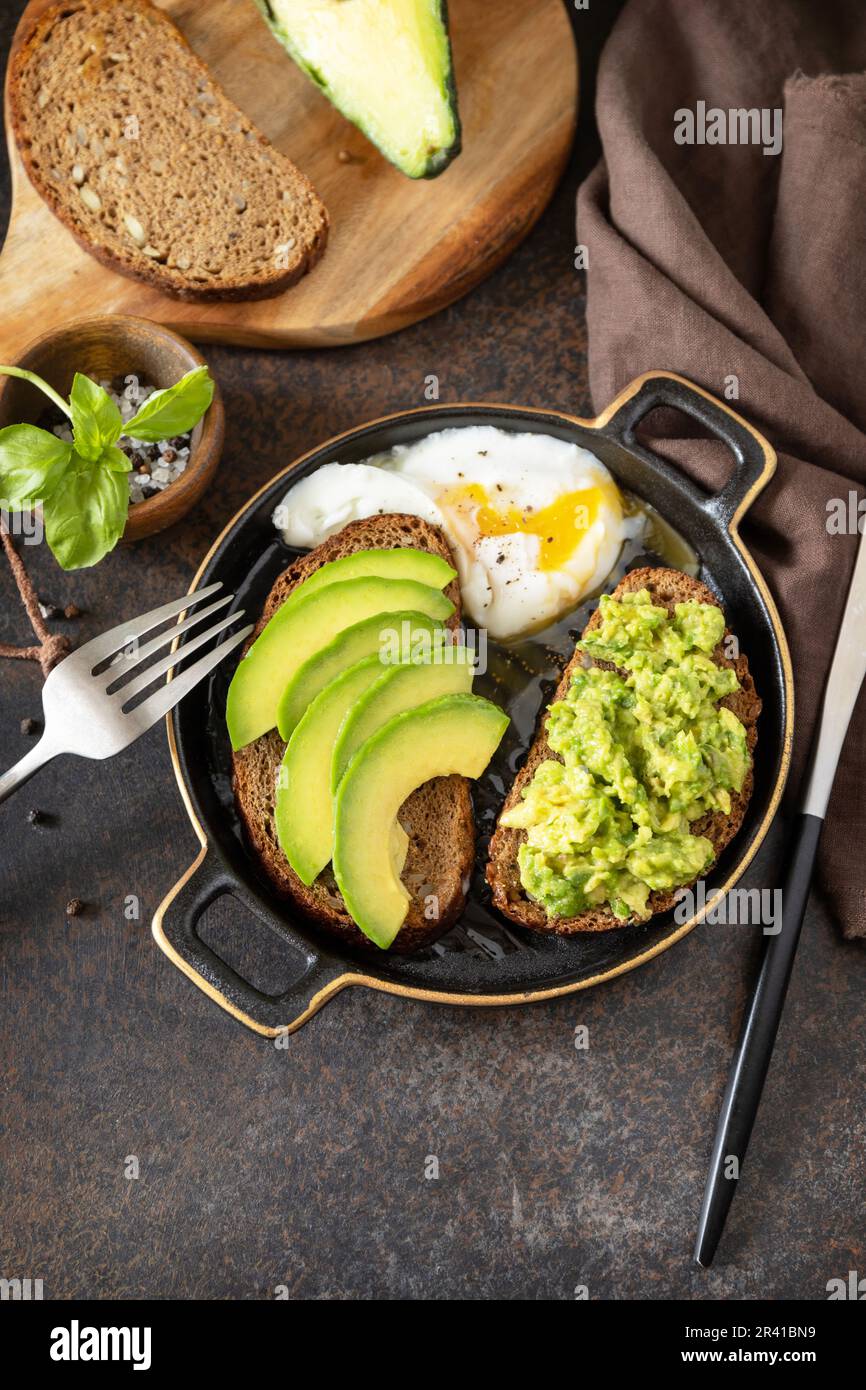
(667, 587)
(133, 145)
(437, 817)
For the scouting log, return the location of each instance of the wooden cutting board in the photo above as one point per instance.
(398, 249)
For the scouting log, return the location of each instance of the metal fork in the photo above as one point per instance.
(88, 714)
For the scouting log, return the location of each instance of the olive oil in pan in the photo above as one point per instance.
(521, 678)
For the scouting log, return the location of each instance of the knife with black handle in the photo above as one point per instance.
(755, 1047)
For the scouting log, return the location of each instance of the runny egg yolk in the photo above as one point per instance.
(560, 526)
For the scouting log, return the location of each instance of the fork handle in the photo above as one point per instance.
(37, 757)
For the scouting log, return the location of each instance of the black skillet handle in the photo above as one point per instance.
(174, 929)
(755, 458)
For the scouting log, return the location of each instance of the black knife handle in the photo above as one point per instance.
(755, 1048)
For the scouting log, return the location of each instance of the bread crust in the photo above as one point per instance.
(136, 266)
(667, 587)
(437, 817)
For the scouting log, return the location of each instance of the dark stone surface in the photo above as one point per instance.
(306, 1166)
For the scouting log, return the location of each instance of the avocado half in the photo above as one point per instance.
(386, 65)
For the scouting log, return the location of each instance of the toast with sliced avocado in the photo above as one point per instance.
(437, 816)
(642, 770)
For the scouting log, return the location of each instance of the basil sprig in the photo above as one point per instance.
(82, 486)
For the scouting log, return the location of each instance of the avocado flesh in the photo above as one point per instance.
(304, 805)
(401, 688)
(298, 630)
(386, 65)
(349, 646)
(453, 734)
(403, 563)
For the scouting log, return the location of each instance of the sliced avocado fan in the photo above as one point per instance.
(386, 65)
(451, 734)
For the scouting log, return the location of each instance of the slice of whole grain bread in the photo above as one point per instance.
(667, 587)
(437, 817)
(140, 154)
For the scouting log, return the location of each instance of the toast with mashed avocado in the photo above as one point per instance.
(439, 841)
(642, 772)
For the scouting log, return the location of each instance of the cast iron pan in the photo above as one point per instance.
(483, 960)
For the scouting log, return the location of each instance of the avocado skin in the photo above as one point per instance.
(438, 160)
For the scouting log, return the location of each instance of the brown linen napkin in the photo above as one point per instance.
(719, 261)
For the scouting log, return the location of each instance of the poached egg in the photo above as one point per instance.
(535, 523)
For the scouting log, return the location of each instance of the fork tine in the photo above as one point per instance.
(155, 706)
(134, 687)
(107, 643)
(112, 674)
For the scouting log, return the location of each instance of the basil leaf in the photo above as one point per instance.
(115, 459)
(32, 462)
(96, 420)
(174, 410)
(86, 514)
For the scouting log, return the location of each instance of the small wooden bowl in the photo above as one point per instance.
(106, 347)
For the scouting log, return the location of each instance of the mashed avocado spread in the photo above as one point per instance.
(643, 755)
